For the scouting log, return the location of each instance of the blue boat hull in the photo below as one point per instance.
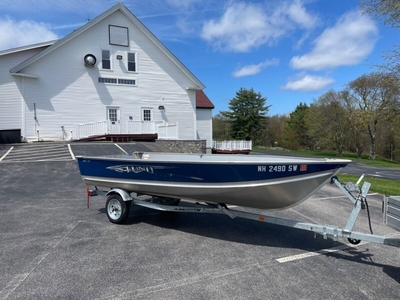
(259, 182)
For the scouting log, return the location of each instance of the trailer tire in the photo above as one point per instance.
(354, 241)
(116, 208)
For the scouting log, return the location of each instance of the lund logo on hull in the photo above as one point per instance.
(129, 169)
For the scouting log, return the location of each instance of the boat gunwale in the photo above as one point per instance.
(180, 158)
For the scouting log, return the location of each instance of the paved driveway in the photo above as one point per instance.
(53, 247)
(387, 173)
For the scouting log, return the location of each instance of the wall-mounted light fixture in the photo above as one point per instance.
(161, 107)
(119, 57)
(89, 60)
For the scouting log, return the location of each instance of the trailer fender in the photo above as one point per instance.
(124, 194)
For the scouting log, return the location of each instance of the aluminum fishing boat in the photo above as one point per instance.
(262, 182)
(257, 181)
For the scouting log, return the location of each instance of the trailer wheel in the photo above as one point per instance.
(354, 241)
(116, 208)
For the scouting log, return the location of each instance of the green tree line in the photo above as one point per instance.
(364, 117)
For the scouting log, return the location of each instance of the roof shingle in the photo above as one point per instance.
(202, 100)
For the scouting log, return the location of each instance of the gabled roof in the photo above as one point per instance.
(202, 100)
(122, 8)
(28, 47)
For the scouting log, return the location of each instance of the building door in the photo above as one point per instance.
(147, 118)
(113, 118)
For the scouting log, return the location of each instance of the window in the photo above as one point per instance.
(107, 80)
(146, 114)
(112, 115)
(120, 81)
(127, 81)
(118, 35)
(132, 62)
(105, 59)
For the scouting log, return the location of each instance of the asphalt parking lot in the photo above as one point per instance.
(54, 247)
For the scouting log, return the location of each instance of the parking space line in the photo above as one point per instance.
(316, 253)
(35, 161)
(70, 151)
(187, 281)
(1, 158)
(121, 148)
(19, 278)
(36, 153)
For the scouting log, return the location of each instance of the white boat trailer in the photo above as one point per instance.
(119, 202)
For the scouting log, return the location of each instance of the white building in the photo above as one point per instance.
(110, 76)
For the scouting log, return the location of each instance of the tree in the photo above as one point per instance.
(389, 12)
(220, 128)
(276, 127)
(246, 115)
(296, 129)
(395, 138)
(357, 137)
(376, 96)
(327, 121)
(388, 137)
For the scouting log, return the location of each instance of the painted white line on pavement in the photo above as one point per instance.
(20, 278)
(316, 253)
(9, 150)
(121, 148)
(70, 151)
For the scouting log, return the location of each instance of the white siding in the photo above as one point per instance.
(10, 91)
(204, 125)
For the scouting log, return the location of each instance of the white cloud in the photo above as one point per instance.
(350, 41)
(15, 34)
(301, 41)
(245, 26)
(305, 82)
(254, 69)
(300, 16)
(67, 26)
(242, 27)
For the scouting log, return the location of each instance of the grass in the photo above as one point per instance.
(378, 185)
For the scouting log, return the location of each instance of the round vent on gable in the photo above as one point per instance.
(89, 60)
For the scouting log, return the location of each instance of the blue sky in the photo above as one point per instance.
(290, 51)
